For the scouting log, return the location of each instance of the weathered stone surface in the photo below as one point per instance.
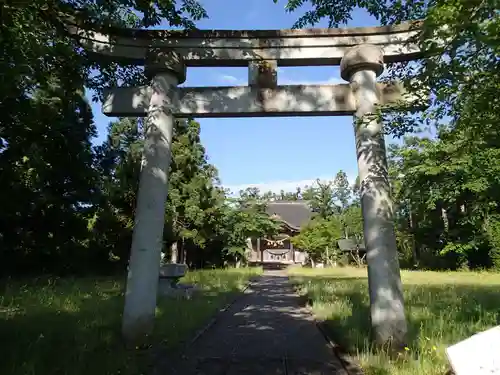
(238, 101)
(183, 291)
(362, 57)
(263, 74)
(244, 101)
(160, 61)
(168, 284)
(361, 65)
(147, 238)
(173, 270)
(236, 48)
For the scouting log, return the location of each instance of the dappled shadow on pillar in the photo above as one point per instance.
(385, 289)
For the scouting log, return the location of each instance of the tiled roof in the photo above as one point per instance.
(294, 213)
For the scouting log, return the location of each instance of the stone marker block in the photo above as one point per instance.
(477, 355)
(173, 270)
(180, 291)
(168, 285)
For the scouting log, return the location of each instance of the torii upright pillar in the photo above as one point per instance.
(361, 65)
(166, 70)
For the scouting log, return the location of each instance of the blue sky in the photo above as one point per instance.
(271, 153)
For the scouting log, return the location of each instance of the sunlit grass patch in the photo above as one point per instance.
(442, 309)
(72, 326)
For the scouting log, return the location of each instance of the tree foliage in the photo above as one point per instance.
(245, 218)
(55, 193)
(446, 186)
(69, 207)
(319, 238)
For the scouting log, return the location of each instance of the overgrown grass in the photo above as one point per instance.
(72, 326)
(442, 309)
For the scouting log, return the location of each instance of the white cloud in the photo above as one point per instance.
(283, 79)
(229, 79)
(329, 81)
(287, 186)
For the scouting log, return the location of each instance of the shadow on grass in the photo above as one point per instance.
(73, 326)
(54, 341)
(347, 324)
(438, 315)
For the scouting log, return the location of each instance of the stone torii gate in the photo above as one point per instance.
(361, 54)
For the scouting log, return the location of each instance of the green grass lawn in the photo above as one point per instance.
(442, 309)
(72, 326)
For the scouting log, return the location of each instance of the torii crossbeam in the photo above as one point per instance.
(247, 101)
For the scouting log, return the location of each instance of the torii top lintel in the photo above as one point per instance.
(293, 47)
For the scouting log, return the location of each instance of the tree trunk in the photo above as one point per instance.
(444, 216)
(413, 247)
(249, 252)
(174, 253)
(183, 253)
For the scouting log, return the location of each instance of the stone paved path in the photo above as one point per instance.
(266, 332)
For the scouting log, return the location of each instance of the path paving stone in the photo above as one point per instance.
(266, 332)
